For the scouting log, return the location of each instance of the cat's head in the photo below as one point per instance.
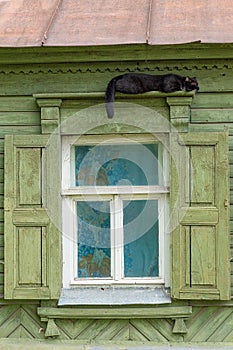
(191, 84)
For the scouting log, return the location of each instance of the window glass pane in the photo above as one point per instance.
(112, 165)
(94, 247)
(141, 238)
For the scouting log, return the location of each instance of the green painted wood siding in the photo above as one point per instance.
(207, 324)
(35, 196)
(212, 108)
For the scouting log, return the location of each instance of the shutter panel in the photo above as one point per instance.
(32, 238)
(199, 216)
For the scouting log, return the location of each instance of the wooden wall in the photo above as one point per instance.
(30, 72)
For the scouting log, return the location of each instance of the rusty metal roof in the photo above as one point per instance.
(108, 22)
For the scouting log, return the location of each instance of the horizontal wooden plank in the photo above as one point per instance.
(30, 217)
(124, 112)
(100, 95)
(19, 130)
(230, 158)
(116, 313)
(31, 293)
(1, 215)
(197, 138)
(2, 143)
(35, 141)
(231, 197)
(1, 253)
(215, 127)
(149, 192)
(212, 115)
(207, 294)
(1, 201)
(231, 227)
(1, 161)
(95, 121)
(18, 103)
(230, 141)
(120, 53)
(20, 118)
(96, 81)
(231, 170)
(200, 216)
(231, 213)
(213, 100)
(231, 246)
(86, 102)
(1, 175)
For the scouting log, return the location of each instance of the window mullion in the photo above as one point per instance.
(117, 240)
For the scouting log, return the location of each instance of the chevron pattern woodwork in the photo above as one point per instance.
(207, 324)
(20, 322)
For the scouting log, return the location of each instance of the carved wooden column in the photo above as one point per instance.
(180, 112)
(50, 114)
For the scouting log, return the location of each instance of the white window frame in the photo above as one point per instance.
(115, 194)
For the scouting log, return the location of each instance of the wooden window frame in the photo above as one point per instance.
(71, 194)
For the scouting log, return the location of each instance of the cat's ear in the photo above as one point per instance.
(187, 79)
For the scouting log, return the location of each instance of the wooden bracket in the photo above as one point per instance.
(52, 330)
(179, 326)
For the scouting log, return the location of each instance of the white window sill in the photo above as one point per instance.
(114, 295)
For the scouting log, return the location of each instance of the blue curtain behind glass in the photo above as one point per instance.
(141, 232)
(94, 251)
(111, 165)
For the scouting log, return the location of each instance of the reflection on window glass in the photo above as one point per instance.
(111, 165)
(141, 234)
(94, 247)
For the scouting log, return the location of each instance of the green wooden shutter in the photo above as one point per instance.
(199, 216)
(32, 238)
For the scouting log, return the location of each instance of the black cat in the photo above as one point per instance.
(136, 83)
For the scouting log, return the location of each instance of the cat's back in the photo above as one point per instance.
(134, 83)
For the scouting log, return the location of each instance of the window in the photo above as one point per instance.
(115, 210)
(198, 215)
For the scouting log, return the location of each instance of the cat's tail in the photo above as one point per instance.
(110, 97)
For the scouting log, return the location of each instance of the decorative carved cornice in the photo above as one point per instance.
(156, 67)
